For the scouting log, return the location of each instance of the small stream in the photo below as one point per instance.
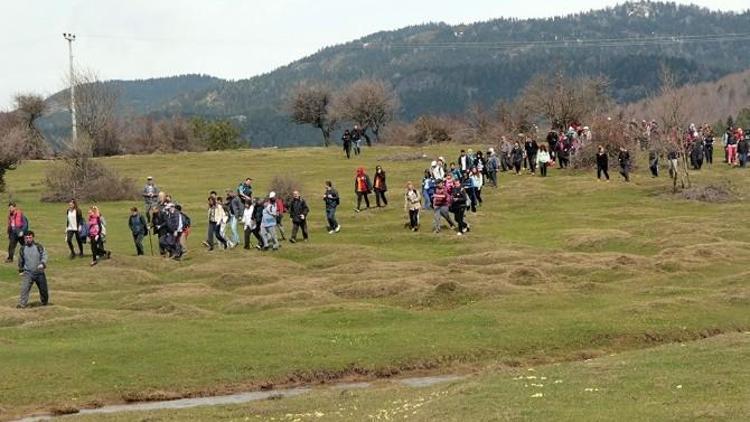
(240, 398)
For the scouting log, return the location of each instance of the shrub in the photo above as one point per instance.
(284, 186)
(78, 176)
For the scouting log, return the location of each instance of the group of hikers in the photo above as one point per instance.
(448, 189)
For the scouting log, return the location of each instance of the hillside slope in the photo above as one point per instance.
(439, 68)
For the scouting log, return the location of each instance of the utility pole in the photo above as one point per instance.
(72, 37)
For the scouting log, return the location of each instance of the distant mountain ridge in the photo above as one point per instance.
(439, 68)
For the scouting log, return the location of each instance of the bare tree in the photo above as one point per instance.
(672, 118)
(96, 104)
(13, 144)
(29, 108)
(564, 100)
(311, 105)
(371, 103)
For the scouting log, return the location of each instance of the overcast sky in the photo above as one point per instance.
(232, 39)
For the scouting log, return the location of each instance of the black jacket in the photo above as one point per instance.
(298, 208)
(624, 159)
(602, 160)
(332, 199)
(383, 186)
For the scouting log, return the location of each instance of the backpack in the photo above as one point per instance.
(185, 220)
(25, 227)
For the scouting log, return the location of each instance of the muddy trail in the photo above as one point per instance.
(418, 375)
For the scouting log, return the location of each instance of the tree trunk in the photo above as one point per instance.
(326, 137)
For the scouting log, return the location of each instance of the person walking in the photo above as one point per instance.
(298, 211)
(543, 159)
(257, 219)
(138, 228)
(17, 226)
(245, 190)
(493, 166)
(624, 159)
(531, 148)
(356, 136)
(653, 162)
(732, 149)
(216, 218)
(362, 188)
(150, 194)
(458, 206)
(269, 221)
(74, 226)
(743, 149)
(380, 187)
(249, 224)
(516, 158)
(97, 233)
(708, 146)
(32, 263)
(187, 224)
(280, 210)
(332, 201)
(412, 205)
(441, 201)
(346, 141)
(235, 215)
(602, 164)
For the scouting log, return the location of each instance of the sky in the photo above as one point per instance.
(232, 39)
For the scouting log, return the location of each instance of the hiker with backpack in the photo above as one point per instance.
(174, 231)
(428, 187)
(493, 165)
(186, 225)
(332, 201)
(412, 205)
(32, 262)
(138, 228)
(74, 227)
(516, 157)
(298, 211)
(380, 187)
(18, 224)
(362, 188)
(97, 232)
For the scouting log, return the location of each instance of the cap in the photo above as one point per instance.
(272, 195)
(150, 178)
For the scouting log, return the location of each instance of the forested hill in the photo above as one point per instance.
(439, 68)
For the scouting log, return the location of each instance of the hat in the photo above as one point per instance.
(150, 178)
(272, 195)
(433, 164)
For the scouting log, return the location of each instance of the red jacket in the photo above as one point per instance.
(15, 221)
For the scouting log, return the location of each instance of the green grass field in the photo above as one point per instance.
(555, 270)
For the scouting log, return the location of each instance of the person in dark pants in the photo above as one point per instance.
(257, 217)
(624, 159)
(696, 154)
(32, 261)
(380, 187)
(298, 211)
(531, 148)
(74, 224)
(458, 206)
(653, 163)
(97, 232)
(412, 204)
(362, 187)
(216, 218)
(516, 157)
(332, 201)
(743, 148)
(174, 232)
(17, 226)
(708, 149)
(138, 228)
(346, 140)
(602, 164)
(356, 139)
